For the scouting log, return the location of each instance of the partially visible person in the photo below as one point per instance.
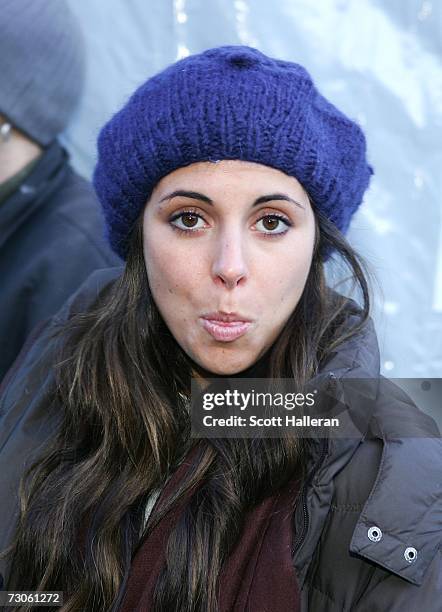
(50, 223)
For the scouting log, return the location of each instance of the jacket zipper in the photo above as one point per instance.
(300, 539)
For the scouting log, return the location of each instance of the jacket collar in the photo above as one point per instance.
(33, 193)
(399, 527)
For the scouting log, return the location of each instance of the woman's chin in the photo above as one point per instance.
(211, 370)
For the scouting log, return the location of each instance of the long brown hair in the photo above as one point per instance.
(121, 381)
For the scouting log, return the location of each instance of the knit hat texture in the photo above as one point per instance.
(230, 102)
(41, 66)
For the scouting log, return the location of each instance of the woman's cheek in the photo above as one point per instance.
(174, 284)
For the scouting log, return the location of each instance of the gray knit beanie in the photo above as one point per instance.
(41, 66)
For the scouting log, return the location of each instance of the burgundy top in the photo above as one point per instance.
(258, 576)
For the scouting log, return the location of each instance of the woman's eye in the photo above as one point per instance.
(273, 224)
(187, 221)
(190, 221)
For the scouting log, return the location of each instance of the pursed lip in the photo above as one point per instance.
(225, 326)
(226, 317)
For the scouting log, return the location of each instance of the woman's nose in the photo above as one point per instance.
(229, 266)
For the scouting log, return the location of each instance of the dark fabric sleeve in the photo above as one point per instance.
(382, 591)
(29, 413)
(38, 329)
(62, 268)
(393, 594)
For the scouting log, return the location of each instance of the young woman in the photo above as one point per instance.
(226, 181)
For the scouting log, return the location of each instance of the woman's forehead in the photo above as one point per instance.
(227, 173)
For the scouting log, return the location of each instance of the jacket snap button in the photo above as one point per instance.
(410, 554)
(374, 534)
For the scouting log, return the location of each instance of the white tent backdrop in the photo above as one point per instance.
(378, 60)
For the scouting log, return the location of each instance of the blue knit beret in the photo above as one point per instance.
(230, 102)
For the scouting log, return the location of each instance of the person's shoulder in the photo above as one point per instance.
(390, 421)
(384, 524)
(73, 217)
(356, 347)
(32, 367)
(89, 291)
(396, 470)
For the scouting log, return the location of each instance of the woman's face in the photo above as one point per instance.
(227, 247)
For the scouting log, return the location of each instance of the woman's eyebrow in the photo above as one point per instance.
(188, 194)
(276, 196)
(199, 196)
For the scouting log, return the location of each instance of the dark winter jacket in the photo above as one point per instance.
(51, 239)
(368, 524)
